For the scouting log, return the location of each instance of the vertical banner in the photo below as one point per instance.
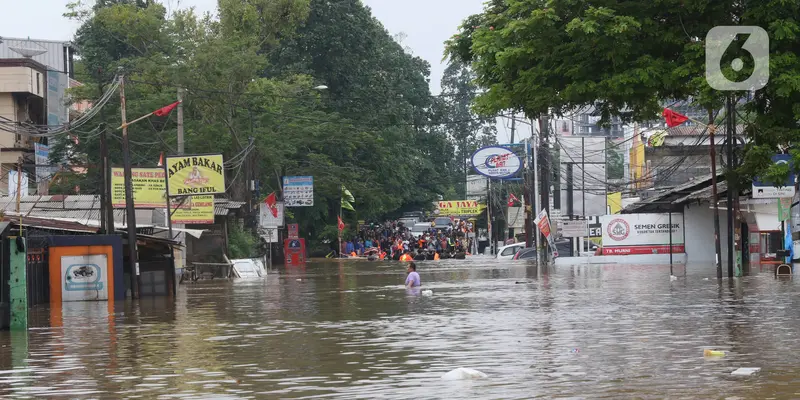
(56, 106)
(13, 182)
(543, 223)
(41, 154)
(298, 191)
(784, 208)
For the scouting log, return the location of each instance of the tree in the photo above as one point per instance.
(468, 132)
(624, 57)
(251, 74)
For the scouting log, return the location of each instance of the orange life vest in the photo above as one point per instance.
(353, 254)
(405, 257)
(436, 256)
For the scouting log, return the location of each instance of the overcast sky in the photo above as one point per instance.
(426, 23)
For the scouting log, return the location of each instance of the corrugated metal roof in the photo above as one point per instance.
(221, 210)
(665, 199)
(703, 194)
(53, 58)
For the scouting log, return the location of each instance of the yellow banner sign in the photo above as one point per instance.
(460, 208)
(194, 210)
(193, 175)
(149, 188)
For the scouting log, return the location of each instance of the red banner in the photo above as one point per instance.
(643, 249)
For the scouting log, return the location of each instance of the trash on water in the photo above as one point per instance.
(705, 279)
(299, 280)
(460, 374)
(575, 351)
(673, 278)
(745, 371)
(713, 353)
(427, 292)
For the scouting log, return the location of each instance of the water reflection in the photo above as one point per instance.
(351, 330)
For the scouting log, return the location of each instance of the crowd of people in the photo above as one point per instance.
(392, 240)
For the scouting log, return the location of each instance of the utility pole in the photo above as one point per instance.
(731, 183)
(180, 121)
(129, 207)
(534, 191)
(544, 170)
(527, 195)
(714, 194)
(513, 126)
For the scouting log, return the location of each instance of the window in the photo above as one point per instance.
(510, 251)
(564, 127)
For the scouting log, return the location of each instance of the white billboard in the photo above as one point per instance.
(625, 234)
(266, 219)
(496, 162)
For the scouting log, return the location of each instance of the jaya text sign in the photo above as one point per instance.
(195, 210)
(496, 162)
(460, 208)
(298, 191)
(149, 188)
(193, 175)
(625, 234)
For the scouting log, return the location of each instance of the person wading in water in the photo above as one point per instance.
(412, 280)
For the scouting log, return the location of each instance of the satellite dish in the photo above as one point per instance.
(27, 48)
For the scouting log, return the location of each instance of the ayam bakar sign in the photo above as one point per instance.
(190, 175)
(642, 234)
(460, 208)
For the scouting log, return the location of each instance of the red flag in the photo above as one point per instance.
(272, 203)
(161, 160)
(512, 199)
(165, 110)
(341, 224)
(673, 119)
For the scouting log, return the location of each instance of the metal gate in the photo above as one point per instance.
(38, 271)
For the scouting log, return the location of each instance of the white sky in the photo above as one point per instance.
(427, 24)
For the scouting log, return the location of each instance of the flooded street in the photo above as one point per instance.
(350, 330)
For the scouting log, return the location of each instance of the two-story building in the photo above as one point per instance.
(34, 78)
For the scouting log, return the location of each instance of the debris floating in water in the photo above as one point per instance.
(745, 371)
(299, 280)
(460, 374)
(575, 350)
(713, 353)
(427, 292)
(673, 278)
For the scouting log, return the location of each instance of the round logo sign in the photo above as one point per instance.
(496, 162)
(618, 229)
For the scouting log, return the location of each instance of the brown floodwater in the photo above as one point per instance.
(350, 330)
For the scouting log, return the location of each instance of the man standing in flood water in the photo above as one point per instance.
(412, 280)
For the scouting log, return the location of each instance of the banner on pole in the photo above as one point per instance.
(14, 181)
(543, 223)
(195, 210)
(298, 191)
(193, 175)
(266, 219)
(149, 188)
